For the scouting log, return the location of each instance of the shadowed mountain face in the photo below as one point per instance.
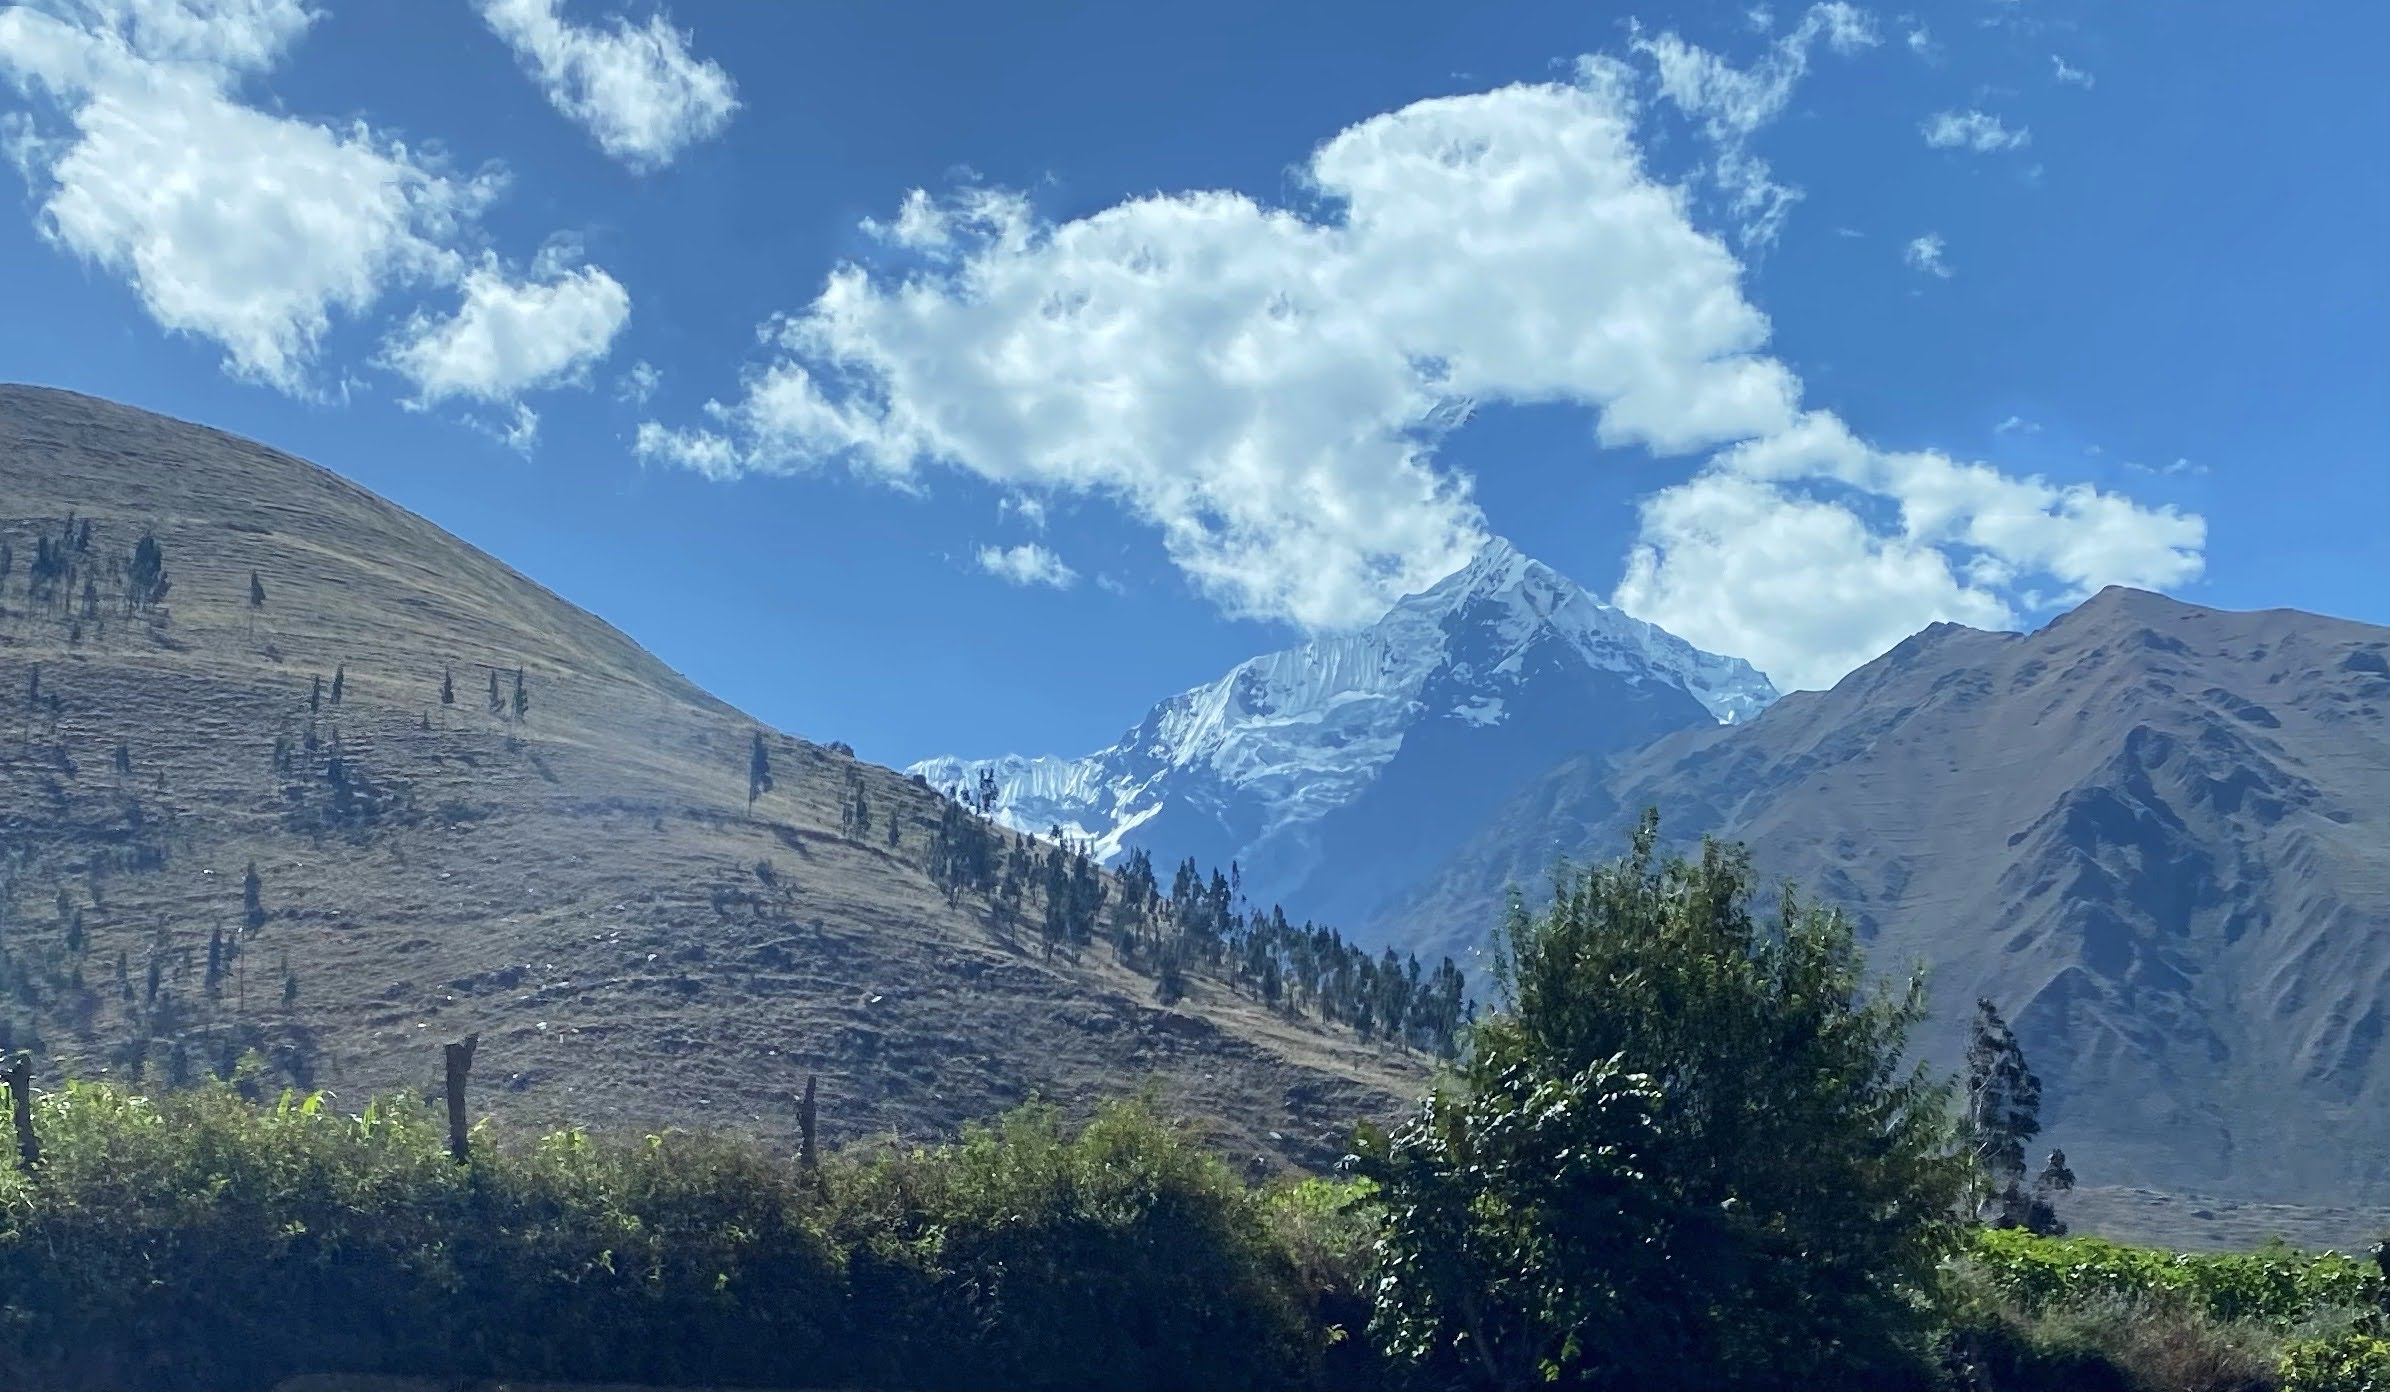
(2157, 835)
(578, 877)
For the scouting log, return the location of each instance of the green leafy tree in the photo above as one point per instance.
(1522, 1239)
(1793, 1182)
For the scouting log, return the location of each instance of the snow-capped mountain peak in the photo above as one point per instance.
(1249, 766)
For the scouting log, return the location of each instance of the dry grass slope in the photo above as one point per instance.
(585, 886)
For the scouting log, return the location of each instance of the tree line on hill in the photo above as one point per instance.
(73, 581)
(1203, 922)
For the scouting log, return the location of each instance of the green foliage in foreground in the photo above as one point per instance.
(2279, 1287)
(2352, 1362)
(2025, 1313)
(1687, 1154)
(194, 1241)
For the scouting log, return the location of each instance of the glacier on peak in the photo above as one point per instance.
(1237, 769)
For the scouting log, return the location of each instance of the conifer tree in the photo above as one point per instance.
(257, 600)
(759, 771)
(522, 697)
(290, 984)
(340, 682)
(497, 702)
(146, 582)
(447, 687)
(315, 695)
(253, 903)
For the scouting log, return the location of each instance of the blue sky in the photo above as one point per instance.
(1062, 354)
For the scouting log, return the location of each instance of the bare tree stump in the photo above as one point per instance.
(460, 1063)
(20, 1096)
(806, 1157)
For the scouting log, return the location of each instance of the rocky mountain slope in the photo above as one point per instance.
(578, 876)
(2156, 834)
(1331, 772)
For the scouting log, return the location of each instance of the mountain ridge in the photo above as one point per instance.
(2151, 831)
(1294, 761)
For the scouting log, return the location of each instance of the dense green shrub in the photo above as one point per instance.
(2107, 1344)
(2026, 1313)
(2349, 1362)
(1522, 1243)
(196, 1241)
(2276, 1286)
(1329, 1230)
(1703, 1118)
(1026, 1257)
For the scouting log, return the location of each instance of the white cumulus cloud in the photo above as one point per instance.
(1267, 387)
(1972, 130)
(1027, 564)
(1263, 386)
(262, 231)
(1031, 511)
(510, 335)
(2068, 73)
(1925, 254)
(1802, 588)
(637, 90)
(1754, 556)
(248, 228)
(638, 383)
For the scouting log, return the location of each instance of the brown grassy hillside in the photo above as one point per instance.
(585, 885)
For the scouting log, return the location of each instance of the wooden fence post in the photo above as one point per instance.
(20, 1096)
(460, 1063)
(806, 1158)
